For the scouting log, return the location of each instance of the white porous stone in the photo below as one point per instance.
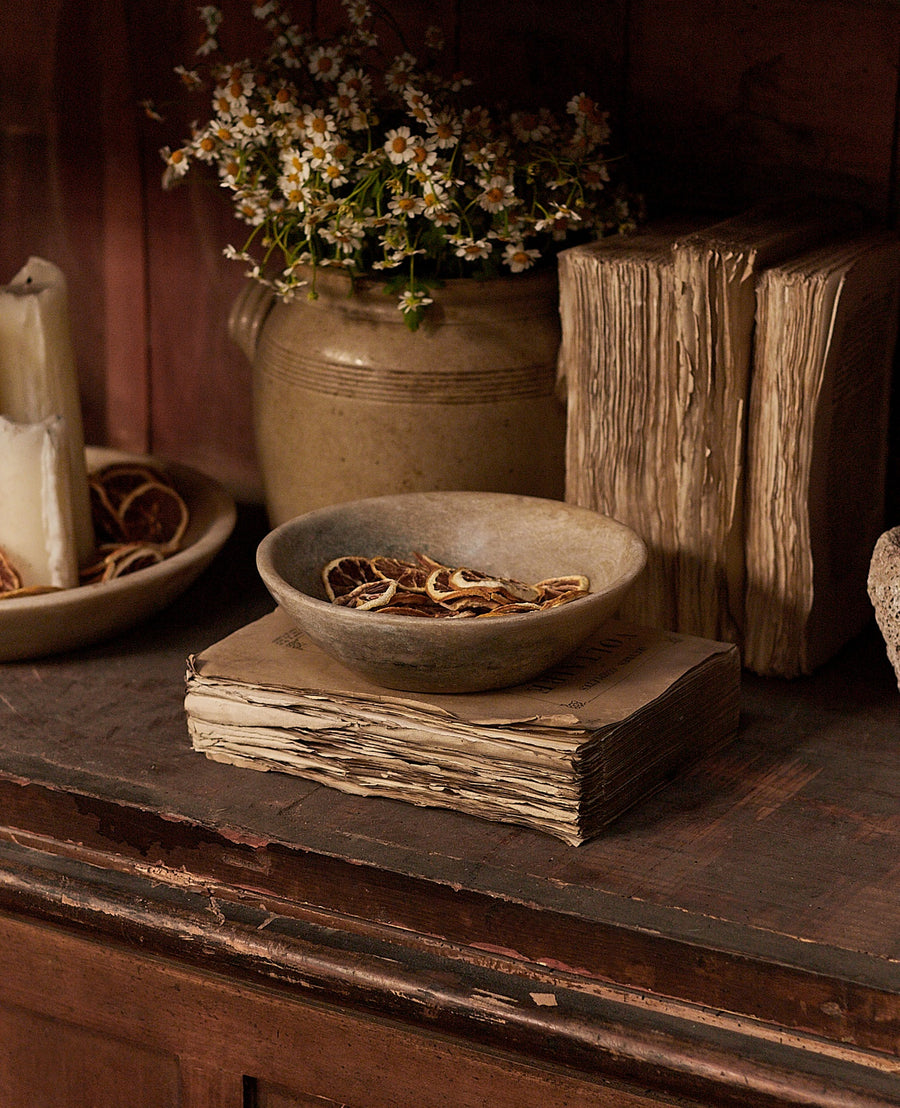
(884, 592)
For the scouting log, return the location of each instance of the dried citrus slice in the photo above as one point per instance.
(425, 586)
(118, 479)
(369, 595)
(561, 598)
(513, 608)
(573, 582)
(465, 578)
(470, 600)
(438, 586)
(107, 525)
(29, 590)
(129, 558)
(427, 562)
(408, 575)
(9, 575)
(154, 513)
(341, 575)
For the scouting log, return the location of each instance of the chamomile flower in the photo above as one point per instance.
(190, 78)
(358, 11)
(348, 239)
(498, 193)
(412, 300)
(319, 124)
(177, 164)
(355, 82)
(443, 217)
(531, 126)
(472, 250)
(334, 174)
(282, 102)
(518, 258)
(424, 155)
(445, 127)
(404, 204)
(399, 145)
(316, 152)
(400, 72)
(418, 104)
(325, 63)
(249, 125)
(251, 208)
(206, 146)
(434, 38)
(331, 157)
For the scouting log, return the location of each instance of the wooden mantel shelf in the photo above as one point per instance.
(232, 937)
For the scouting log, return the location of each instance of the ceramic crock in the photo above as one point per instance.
(349, 403)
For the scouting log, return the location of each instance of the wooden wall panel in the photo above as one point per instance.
(733, 100)
(47, 1063)
(53, 175)
(200, 405)
(724, 101)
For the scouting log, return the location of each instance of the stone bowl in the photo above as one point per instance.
(525, 538)
(50, 623)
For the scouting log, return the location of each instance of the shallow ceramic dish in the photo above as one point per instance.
(33, 626)
(511, 536)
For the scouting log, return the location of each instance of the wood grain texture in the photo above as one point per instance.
(760, 891)
(719, 104)
(299, 1049)
(731, 102)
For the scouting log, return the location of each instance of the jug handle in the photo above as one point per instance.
(248, 314)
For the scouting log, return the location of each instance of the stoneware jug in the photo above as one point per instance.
(349, 403)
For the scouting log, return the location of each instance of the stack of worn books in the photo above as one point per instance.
(728, 396)
(566, 753)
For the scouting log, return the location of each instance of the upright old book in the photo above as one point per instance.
(709, 376)
(617, 359)
(656, 354)
(566, 753)
(717, 270)
(817, 448)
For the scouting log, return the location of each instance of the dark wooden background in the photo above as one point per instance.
(720, 102)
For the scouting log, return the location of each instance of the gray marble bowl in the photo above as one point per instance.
(522, 537)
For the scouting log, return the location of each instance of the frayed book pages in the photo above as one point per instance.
(817, 449)
(565, 754)
(728, 393)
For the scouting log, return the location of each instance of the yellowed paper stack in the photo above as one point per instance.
(817, 449)
(565, 754)
(665, 339)
(617, 360)
(716, 273)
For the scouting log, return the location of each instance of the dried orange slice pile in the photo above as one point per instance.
(139, 519)
(422, 586)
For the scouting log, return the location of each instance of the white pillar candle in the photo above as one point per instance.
(34, 472)
(38, 381)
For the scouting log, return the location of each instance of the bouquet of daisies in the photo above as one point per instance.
(335, 155)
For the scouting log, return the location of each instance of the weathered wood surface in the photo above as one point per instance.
(134, 1030)
(762, 888)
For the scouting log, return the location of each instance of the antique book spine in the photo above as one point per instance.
(656, 355)
(716, 273)
(617, 357)
(816, 460)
